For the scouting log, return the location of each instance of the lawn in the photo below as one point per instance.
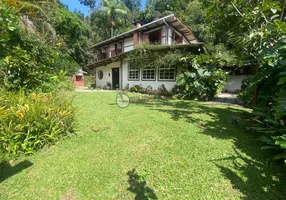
(150, 150)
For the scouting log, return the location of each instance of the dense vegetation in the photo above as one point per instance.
(42, 43)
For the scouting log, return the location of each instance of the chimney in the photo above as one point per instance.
(136, 24)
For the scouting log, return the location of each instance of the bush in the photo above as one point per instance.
(89, 81)
(266, 91)
(162, 90)
(202, 83)
(31, 121)
(246, 93)
(137, 88)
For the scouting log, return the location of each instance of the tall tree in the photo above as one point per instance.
(133, 6)
(115, 11)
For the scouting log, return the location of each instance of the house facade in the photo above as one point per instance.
(113, 69)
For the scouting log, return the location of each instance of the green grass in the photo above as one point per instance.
(151, 150)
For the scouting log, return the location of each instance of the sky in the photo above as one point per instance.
(74, 4)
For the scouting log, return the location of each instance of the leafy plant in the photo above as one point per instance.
(30, 122)
(276, 143)
(162, 90)
(137, 88)
(203, 79)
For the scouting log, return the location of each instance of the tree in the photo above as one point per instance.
(115, 12)
(133, 6)
(79, 14)
(89, 3)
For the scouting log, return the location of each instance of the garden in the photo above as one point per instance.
(56, 143)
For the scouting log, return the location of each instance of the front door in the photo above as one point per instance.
(115, 78)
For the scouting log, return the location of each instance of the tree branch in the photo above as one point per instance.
(237, 9)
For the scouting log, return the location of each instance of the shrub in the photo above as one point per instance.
(31, 121)
(89, 81)
(267, 92)
(202, 83)
(137, 88)
(162, 90)
(246, 93)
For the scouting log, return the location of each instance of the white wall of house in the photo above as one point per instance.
(170, 36)
(107, 74)
(128, 44)
(164, 35)
(232, 85)
(234, 82)
(155, 84)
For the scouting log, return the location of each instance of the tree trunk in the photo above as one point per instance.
(111, 31)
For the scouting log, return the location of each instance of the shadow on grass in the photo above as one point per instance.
(139, 187)
(7, 171)
(253, 172)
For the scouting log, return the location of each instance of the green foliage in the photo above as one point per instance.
(9, 29)
(89, 3)
(270, 115)
(27, 61)
(280, 108)
(35, 70)
(272, 73)
(89, 81)
(115, 12)
(246, 92)
(137, 88)
(73, 35)
(30, 122)
(32, 62)
(200, 82)
(277, 143)
(255, 30)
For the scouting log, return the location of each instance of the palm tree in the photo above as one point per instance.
(115, 11)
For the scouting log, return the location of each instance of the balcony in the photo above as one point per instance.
(109, 51)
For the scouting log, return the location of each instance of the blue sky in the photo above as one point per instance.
(74, 4)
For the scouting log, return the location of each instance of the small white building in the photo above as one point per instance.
(113, 68)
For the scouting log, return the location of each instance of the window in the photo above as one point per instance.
(113, 50)
(100, 74)
(153, 37)
(166, 74)
(78, 78)
(149, 73)
(116, 49)
(104, 53)
(133, 72)
(119, 47)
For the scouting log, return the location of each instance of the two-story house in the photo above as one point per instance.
(113, 68)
